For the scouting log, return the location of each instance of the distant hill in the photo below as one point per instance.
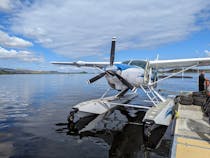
(177, 70)
(20, 71)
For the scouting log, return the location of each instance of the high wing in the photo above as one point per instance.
(160, 64)
(85, 64)
(179, 63)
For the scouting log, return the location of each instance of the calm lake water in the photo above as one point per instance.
(32, 105)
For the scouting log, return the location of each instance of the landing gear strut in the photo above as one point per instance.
(70, 118)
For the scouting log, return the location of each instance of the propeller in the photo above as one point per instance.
(125, 82)
(110, 71)
(112, 53)
(97, 77)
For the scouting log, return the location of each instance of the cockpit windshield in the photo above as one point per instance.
(139, 63)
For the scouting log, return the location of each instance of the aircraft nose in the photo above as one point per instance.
(113, 68)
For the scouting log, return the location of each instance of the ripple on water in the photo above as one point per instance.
(12, 107)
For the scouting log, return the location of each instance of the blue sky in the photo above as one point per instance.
(35, 32)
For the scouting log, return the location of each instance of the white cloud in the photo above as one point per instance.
(20, 55)
(12, 41)
(207, 52)
(83, 28)
(5, 5)
(11, 5)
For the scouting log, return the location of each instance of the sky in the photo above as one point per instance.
(35, 32)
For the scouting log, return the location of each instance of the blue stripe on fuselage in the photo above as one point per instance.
(124, 66)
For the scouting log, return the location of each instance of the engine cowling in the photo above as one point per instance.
(135, 76)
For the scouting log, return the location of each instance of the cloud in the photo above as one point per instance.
(207, 52)
(12, 41)
(20, 55)
(84, 28)
(11, 5)
(5, 5)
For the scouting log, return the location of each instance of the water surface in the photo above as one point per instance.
(32, 105)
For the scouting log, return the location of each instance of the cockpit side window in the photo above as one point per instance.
(126, 62)
(139, 63)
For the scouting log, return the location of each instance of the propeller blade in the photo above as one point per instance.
(110, 72)
(125, 82)
(96, 77)
(112, 53)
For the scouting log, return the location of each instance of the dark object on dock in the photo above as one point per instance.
(198, 94)
(206, 108)
(196, 98)
(200, 101)
(186, 100)
(199, 98)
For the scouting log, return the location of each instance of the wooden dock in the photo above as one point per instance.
(192, 133)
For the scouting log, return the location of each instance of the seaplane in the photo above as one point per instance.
(128, 76)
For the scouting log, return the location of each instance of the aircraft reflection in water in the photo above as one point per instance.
(122, 129)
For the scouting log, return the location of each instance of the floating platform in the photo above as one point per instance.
(192, 133)
(102, 105)
(160, 114)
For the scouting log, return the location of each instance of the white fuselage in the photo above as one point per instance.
(135, 76)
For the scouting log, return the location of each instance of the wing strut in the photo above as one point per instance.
(153, 83)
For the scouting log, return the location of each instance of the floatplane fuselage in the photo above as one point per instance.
(131, 75)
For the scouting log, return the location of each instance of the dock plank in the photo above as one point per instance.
(190, 148)
(192, 133)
